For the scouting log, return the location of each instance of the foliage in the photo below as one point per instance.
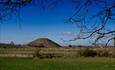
(87, 53)
(36, 54)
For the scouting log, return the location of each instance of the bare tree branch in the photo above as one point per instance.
(105, 16)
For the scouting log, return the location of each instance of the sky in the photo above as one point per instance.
(34, 22)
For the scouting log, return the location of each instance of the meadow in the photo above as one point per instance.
(57, 59)
(57, 64)
(57, 52)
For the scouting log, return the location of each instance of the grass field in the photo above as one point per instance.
(57, 64)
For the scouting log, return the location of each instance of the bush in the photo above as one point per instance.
(36, 54)
(87, 53)
(103, 53)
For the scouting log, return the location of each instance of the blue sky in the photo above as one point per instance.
(38, 23)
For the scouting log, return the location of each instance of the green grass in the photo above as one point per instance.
(57, 64)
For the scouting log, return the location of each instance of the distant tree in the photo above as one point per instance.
(70, 46)
(12, 43)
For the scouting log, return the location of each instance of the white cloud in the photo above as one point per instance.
(68, 33)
